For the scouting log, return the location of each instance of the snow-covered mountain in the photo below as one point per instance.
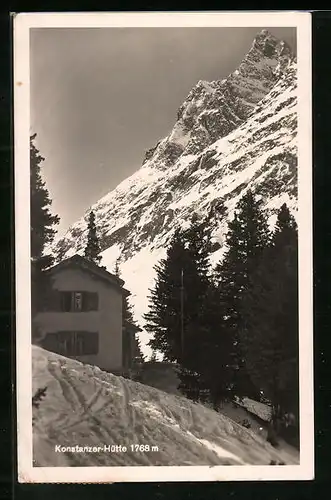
(230, 135)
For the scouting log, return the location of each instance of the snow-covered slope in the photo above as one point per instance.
(90, 408)
(230, 135)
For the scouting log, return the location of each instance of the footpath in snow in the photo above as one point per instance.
(85, 407)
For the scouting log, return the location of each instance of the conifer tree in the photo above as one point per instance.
(164, 319)
(271, 309)
(42, 221)
(60, 251)
(184, 312)
(247, 236)
(42, 231)
(192, 384)
(92, 249)
(178, 305)
(138, 356)
(208, 348)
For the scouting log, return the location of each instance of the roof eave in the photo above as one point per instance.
(99, 272)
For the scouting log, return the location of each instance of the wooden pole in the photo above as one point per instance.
(182, 311)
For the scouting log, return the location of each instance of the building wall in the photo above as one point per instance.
(107, 321)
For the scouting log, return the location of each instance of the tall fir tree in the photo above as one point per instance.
(92, 249)
(207, 349)
(138, 356)
(164, 319)
(184, 312)
(42, 221)
(248, 234)
(271, 308)
(60, 251)
(42, 233)
(177, 302)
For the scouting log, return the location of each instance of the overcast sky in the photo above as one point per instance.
(101, 97)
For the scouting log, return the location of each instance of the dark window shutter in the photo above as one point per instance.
(90, 301)
(56, 300)
(66, 301)
(90, 342)
(86, 301)
(52, 301)
(94, 301)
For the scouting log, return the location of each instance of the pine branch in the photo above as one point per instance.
(39, 395)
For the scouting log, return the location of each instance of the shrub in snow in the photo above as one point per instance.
(39, 395)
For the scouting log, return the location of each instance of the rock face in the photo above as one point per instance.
(230, 135)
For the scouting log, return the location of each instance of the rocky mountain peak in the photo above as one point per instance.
(230, 135)
(213, 109)
(275, 53)
(270, 46)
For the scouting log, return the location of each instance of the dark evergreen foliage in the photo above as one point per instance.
(42, 233)
(60, 251)
(247, 236)
(42, 221)
(185, 315)
(92, 249)
(138, 356)
(163, 320)
(192, 385)
(234, 333)
(39, 395)
(271, 310)
(37, 398)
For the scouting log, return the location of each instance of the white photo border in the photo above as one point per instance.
(22, 24)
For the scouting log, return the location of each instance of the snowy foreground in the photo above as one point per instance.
(86, 407)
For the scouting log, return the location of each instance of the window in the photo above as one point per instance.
(79, 301)
(72, 343)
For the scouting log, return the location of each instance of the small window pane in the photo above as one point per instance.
(78, 301)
